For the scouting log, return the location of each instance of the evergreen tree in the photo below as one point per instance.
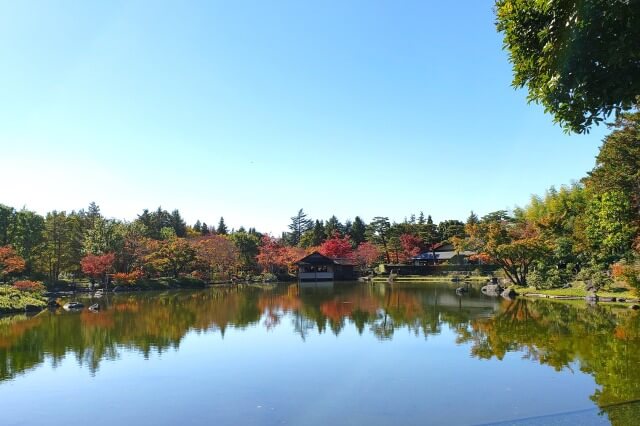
(7, 215)
(473, 219)
(197, 227)
(332, 226)
(178, 224)
(28, 237)
(92, 214)
(204, 230)
(222, 228)
(318, 233)
(379, 233)
(421, 220)
(300, 223)
(358, 230)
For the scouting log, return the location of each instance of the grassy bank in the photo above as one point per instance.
(12, 300)
(579, 290)
(430, 278)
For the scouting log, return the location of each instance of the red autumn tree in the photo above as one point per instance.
(10, 262)
(366, 254)
(97, 266)
(412, 245)
(337, 247)
(275, 256)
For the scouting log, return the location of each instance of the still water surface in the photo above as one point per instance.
(348, 354)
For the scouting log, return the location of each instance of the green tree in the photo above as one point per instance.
(178, 224)
(618, 162)
(579, 59)
(332, 226)
(56, 253)
(28, 236)
(222, 227)
(379, 233)
(358, 231)
(300, 223)
(7, 215)
(248, 248)
(448, 229)
(610, 229)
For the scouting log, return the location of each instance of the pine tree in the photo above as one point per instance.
(197, 226)
(222, 228)
(332, 226)
(358, 231)
(421, 220)
(300, 223)
(178, 224)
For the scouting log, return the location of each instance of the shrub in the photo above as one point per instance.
(131, 278)
(545, 278)
(596, 277)
(29, 286)
(629, 273)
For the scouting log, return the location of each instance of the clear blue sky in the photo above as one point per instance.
(253, 109)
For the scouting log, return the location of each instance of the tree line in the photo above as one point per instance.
(588, 230)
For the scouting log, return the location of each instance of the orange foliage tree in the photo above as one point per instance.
(97, 266)
(216, 253)
(10, 262)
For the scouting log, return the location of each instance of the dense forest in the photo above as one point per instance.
(587, 230)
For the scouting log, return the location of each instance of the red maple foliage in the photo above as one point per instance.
(337, 247)
(10, 262)
(366, 254)
(275, 256)
(97, 266)
(412, 245)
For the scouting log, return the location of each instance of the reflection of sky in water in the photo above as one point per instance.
(270, 375)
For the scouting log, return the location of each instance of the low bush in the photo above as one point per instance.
(124, 278)
(29, 286)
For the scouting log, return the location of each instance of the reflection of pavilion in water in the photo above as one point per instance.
(383, 308)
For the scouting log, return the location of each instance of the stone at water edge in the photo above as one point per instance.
(591, 297)
(634, 307)
(491, 290)
(509, 293)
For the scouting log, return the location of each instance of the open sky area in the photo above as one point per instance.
(252, 110)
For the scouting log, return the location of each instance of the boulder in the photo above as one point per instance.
(493, 290)
(73, 305)
(509, 293)
(634, 307)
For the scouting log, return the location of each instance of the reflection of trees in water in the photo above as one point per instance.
(604, 341)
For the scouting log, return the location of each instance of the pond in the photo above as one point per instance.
(339, 354)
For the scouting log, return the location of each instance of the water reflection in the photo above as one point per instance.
(602, 340)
